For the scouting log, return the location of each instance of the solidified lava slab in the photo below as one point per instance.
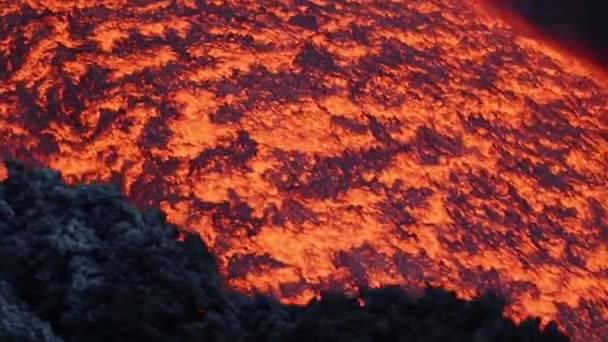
(330, 144)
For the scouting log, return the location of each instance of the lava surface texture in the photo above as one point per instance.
(80, 263)
(330, 144)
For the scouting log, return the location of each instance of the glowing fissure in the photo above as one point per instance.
(330, 144)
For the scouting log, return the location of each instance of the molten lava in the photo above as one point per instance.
(323, 144)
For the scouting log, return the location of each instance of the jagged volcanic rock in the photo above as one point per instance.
(82, 260)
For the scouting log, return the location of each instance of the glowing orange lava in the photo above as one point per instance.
(318, 144)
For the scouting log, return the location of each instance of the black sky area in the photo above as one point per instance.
(579, 24)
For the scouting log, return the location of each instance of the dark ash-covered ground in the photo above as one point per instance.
(79, 263)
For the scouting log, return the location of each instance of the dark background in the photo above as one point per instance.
(577, 24)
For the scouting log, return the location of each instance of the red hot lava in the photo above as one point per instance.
(330, 143)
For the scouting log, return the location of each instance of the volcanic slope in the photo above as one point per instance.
(327, 145)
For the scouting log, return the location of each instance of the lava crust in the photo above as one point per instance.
(79, 263)
(320, 145)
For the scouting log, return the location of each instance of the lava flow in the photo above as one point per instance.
(329, 144)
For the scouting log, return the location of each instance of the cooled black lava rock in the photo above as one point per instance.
(96, 268)
(17, 323)
(79, 263)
